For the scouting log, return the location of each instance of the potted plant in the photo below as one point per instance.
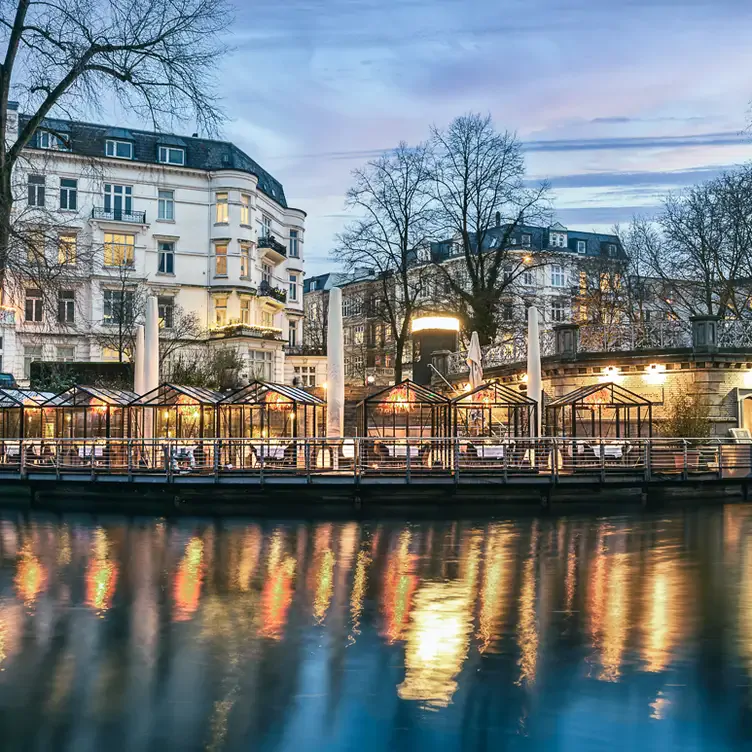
(688, 418)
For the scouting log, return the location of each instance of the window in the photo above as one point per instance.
(267, 319)
(166, 205)
(612, 250)
(245, 310)
(526, 239)
(528, 278)
(66, 354)
(507, 312)
(118, 307)
(306, 375)
(47, 140)
(294, 246)
(582, 246)
(292, 335)
(358, 332)
(33, 305)
(260, 363)
(68, 194)
(32, 353)
(293, 288)
(245, 264)
(558, 310)
(266, 273)
(245, 209)
(557, 239)
(266, 225)
(220, 311)
(557, 276)
(166, 257)
(347, 336)
(352, 306)
(119, 249)
(171, 155)
(35, 246)
(66, 249)
(223, 208)
(220, 261)
(166, 308)
(118, 200)
(119, 149)
(36, 190)
(66, 307)
(507, 274)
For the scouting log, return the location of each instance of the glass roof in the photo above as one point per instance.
(413, 393)
(255, 393)
(23, 398)
(493, 393)
(174, 394)
(82, 396)
(609, 394)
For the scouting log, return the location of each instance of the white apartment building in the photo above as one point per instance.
(193, 221)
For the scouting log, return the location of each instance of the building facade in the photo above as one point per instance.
(128, 213)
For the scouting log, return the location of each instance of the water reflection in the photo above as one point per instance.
(574, 633)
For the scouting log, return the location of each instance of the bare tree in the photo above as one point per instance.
(481, 202)
(183, 329)
(316, 322)
(155, 57)
(391, 195)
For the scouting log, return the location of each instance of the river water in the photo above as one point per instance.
(576, 633)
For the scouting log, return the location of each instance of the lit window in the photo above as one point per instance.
(245, 310)
(581, 246)
(293, 287)
(245, 255)
(358, 332)
(220, 311)
(119, 249)
(166, 257)
(267, 319)
(171, 155)
(220, 253)
(68, 194)
(166, 308)
(119, 149)
(36, 190)
(35, 246)
(33, 305)
(245, 209)
(223, 208)
(557, 276)
(66, 249)
(66, 307)
(294, 244)
(166, 205)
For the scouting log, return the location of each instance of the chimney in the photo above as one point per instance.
(11, 125)
(498, 219)
(567, 340)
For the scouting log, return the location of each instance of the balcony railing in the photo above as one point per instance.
(117, 215)
(235, 329)
(269, 242)
(266, 290)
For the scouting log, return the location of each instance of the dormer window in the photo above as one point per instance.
(612, 250)
(557, 239)
(47, 140)
(171, 155)
(118, 149)
(582, 247)
(526, 239)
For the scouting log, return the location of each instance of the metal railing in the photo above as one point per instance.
(269, 242)
(118, 215)
(512, 459)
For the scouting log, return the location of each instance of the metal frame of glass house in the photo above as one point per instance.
(494, 410)
(89, 412)
(172, 411)
(266, 410)
(21, 415)
(602, 411)
(404, 410)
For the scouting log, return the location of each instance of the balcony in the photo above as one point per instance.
(237, 329)
(265, 290)
(117, 215)
(274, 250)
(305, 350)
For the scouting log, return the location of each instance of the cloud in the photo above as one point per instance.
(603, 215)
(727, 138)
(687, 176)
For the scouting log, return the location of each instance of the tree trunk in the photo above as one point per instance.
(399, 348)
(6, 208)
(483, 321)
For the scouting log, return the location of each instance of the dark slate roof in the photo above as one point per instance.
(597, 243)
(200, 153)
(337, 279)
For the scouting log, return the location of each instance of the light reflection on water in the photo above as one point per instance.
(571, 633)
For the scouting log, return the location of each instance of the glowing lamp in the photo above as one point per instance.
(370, 379)
(655, 373)
(436, 323)
(611, 371)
